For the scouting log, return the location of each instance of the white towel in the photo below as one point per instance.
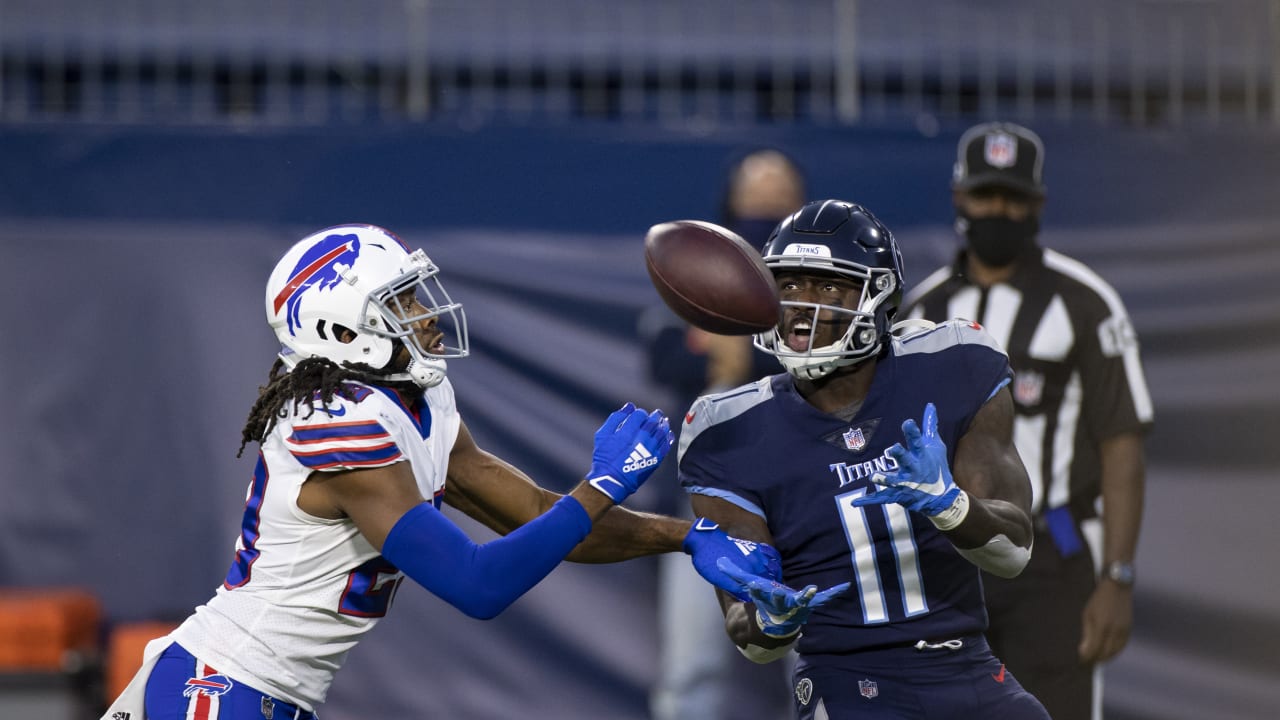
(131, 705)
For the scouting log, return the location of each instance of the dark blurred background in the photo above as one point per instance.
(156, 156)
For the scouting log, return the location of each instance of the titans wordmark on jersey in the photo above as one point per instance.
(767, 450)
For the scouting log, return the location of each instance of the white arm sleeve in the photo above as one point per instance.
(999, 556)
(762, 655)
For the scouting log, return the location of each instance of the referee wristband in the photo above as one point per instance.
(951, 518)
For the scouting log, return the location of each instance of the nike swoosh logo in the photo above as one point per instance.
(688, 418)
(333, 411)
(999, 678)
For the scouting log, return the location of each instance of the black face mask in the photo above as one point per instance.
(999, 241)
(755, 231)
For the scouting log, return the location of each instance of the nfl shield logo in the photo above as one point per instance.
(1001, 150)
(854, 439)
(868, 688)
(1028, 387)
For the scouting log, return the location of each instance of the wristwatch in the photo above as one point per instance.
(1120, 573)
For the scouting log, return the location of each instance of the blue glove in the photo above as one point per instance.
(629, 446)
(708, 544)
(922, 481)
(780, 611)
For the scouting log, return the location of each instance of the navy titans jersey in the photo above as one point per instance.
(767, 450)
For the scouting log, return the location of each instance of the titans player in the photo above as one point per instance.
(360, 441)
(881, 467)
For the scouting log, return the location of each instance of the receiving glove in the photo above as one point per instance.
(708, 544)
(780, 610)
(922, 481)
(629, 446)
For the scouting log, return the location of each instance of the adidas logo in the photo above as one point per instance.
(746, 547)
(639, 459)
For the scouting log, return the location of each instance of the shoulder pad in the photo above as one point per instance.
(720, 407)
(946, 335)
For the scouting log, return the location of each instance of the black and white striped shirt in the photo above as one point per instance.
(1078, 379)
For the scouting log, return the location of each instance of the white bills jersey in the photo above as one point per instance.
(302, 590)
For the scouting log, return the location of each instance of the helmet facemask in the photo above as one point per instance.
(865, 326)
(389, 312)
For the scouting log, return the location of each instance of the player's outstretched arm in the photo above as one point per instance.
(482, 580)
(984, 506)
(497, 494)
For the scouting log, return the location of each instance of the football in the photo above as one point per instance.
(711, 277)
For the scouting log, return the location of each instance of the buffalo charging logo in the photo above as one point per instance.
(322, 267)
(209, 686)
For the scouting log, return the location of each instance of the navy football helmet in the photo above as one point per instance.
(833, 237)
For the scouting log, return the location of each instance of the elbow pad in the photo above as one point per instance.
(482, 580)
(999, 556)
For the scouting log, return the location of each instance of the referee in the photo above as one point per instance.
(1082, 407)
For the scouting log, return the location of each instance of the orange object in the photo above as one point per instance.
(124, 652)
(47, 629)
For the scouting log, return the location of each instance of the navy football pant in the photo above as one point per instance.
(183, 688)
(910, 684)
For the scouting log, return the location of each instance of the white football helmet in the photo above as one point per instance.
(354, 278)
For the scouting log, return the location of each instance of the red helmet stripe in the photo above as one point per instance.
(301, 278)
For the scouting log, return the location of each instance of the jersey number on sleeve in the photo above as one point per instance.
(858, 531)
(370, 589)
(246, 552)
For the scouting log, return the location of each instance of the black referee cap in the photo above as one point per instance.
(1000, 155)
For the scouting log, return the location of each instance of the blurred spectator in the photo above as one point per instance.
(1082, 407)
(699, 673)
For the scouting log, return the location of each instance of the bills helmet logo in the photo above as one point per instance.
(1000, 150)
(209, 686)
(868, 688)
(322, 266)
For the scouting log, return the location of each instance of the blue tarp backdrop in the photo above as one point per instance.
(135, 343)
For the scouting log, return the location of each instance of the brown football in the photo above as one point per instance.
(711, 277)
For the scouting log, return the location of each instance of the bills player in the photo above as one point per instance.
(881, 467)
(360, 442)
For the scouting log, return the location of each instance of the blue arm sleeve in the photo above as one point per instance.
(482, 580)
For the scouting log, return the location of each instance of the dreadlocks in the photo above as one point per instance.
(313, 378)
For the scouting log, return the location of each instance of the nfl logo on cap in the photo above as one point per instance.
(1002, 155)
(1001, 150)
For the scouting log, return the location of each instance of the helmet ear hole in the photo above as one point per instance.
(343, 334)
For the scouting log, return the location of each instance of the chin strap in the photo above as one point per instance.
(805, 368)
(426, 373)
(423, 372)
